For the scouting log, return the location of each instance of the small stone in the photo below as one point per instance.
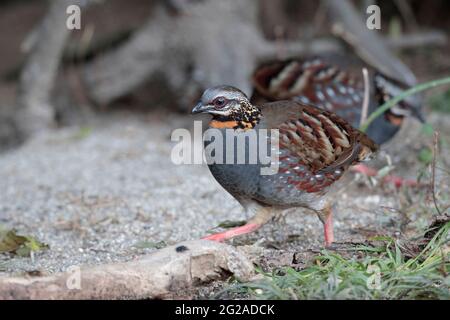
(181, 249)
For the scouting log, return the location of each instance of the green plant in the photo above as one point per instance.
(389, 104)
(330, 275)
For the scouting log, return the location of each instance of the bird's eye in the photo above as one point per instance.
(219, 102)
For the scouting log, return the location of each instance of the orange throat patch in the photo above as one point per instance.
(231, 124)
(395, 120)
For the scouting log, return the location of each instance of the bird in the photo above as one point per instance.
(315, 148)
(336, 84)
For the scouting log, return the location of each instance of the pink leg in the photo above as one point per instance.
(326, 216)
(365, 170)
(328, 230)
(399, 181)
(396, 180)
(222, 236)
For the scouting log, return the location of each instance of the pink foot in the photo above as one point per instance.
(399, 181)
(222, 236)
(396, 180)
(365, 170)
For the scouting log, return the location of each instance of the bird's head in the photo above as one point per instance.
(229, 107)
(386, 89)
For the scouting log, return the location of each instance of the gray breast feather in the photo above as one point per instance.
(244, 181)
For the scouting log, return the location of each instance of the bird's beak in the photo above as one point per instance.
(199, 108)
(416, 113)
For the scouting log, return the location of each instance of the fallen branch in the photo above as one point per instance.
(158, 275)
(417, 40)
(45, 48)
(213, 42)
(407, 13)
(368, 44)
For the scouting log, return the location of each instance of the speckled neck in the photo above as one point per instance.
(247, 117)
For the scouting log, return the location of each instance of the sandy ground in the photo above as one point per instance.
(107, 194)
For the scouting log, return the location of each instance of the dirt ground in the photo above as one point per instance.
(111, 193)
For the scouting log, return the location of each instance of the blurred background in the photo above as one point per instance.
(86, 118)
(147, 55)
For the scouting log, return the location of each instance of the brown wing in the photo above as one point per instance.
(320, 140)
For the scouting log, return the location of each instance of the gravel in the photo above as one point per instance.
(106, 193)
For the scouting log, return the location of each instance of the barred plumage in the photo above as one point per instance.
(316, 147)
(320, 82)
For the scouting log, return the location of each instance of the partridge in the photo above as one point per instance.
(335, 84)
(315, 148)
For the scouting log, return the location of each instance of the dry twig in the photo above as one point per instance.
(433, 171)
(365, 105)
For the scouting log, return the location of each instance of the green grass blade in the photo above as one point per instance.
(389, 104)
